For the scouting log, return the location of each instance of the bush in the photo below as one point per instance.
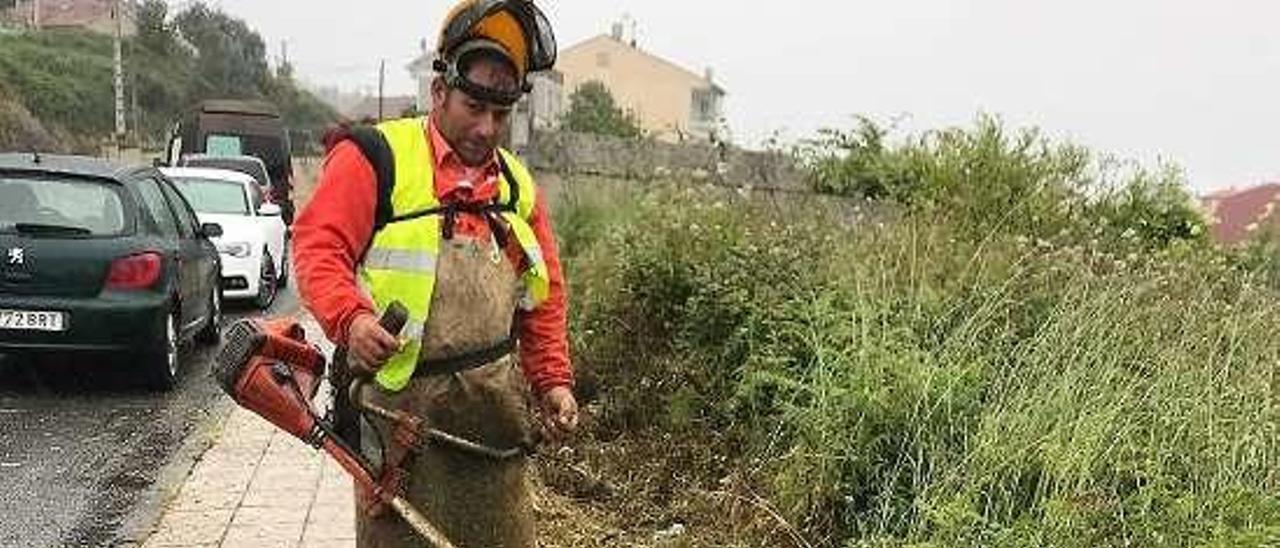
(62, 77)
(988, 179)
(592, 109)
(899, 383)
(19, 131)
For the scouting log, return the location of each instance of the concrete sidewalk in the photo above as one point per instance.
(257, 486)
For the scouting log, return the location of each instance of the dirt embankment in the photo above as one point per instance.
(21, 132)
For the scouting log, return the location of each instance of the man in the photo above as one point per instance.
(432, 214)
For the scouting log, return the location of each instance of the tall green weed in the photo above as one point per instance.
(896, 374)
(989, 178)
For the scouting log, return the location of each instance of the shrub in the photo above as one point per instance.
(988, 179)
(900, 382)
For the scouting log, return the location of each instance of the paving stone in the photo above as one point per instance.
(190, 528)
(328, 543)
(250, 516)
(264, 536)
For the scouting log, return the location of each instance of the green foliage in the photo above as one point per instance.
(989, 179)
(883, 379)
(592, 109)
(20, 131)
(64, 77)
(231, 60)
(155, 32)
(160, 69)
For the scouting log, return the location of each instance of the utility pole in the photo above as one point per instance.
(133, 109)
(382, 79)
(284, 59)
(119, 77)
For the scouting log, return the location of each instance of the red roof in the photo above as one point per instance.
(74, 13)
(1236, 215)
(91, 14)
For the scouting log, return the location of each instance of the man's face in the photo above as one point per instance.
(473, 127)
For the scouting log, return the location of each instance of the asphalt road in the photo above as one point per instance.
(81, 443)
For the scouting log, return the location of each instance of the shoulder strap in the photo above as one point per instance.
(512, 183)
(376, 150)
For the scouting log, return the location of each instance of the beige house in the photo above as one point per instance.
(672, 103)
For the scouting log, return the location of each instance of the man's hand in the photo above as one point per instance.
(369, 344)
(560, 412)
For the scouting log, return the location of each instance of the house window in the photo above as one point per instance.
(602, 59)
(705, 105)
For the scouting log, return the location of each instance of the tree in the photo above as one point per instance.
(232, 58)
(160, 71)
(155, 33)
(231, 62)
(593, 110)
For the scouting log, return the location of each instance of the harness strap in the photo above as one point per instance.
(373, 145)
(465, 361)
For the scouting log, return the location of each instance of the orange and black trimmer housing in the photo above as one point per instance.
(268, 367)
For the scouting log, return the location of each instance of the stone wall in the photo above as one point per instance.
(577, 153)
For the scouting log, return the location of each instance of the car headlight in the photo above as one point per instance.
(238, 250)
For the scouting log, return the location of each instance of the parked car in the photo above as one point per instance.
(103, 257)
(252, 245)
(249, 165)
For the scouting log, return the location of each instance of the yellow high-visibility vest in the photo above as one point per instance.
(400, 264)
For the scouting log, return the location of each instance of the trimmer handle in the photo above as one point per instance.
(394, 318)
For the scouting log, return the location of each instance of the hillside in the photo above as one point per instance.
(64, 77)
(19, 130)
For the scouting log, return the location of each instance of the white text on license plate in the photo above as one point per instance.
(31, 320)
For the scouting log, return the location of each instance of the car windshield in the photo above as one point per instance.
(213, 195)
(247, 167)
(55, 206)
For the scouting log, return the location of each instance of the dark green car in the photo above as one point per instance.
(101, 257)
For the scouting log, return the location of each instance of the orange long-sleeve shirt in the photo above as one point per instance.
(333, 230)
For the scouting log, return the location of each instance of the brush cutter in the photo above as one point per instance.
(268, 367)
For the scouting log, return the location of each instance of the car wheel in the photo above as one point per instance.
(211, 334)
(266, 282)
(161, 360)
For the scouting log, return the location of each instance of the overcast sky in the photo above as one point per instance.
(1194, 82)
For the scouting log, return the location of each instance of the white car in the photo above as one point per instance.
(252, 245)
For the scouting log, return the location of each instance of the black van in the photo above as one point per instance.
(226, 127)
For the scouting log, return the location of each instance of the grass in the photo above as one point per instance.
(63, 77)
(883, 379)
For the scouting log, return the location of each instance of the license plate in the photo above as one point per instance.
(28, 320)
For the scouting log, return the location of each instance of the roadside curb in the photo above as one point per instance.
(142, 521)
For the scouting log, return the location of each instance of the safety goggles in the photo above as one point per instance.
(455, 71)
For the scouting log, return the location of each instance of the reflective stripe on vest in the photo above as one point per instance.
(400, 264)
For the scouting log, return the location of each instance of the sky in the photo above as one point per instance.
(1194, 83)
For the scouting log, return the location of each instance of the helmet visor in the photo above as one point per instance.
(537, 31)
(541, 41)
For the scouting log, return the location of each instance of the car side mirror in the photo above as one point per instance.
(211, 230)
(269, 210)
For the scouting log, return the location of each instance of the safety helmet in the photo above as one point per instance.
(517, 29)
